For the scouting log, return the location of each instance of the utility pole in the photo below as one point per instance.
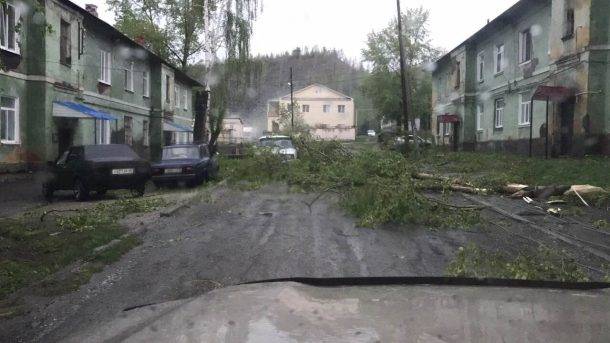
(291, 103)
(403, 82)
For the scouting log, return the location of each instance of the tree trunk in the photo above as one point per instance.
(200, 134)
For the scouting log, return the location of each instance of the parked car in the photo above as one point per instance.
(400, 140)
(279, 145)
(188, 163)
(371, 133)
(97, 168)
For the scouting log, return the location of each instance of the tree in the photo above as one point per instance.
(383, 56)
(181, 31)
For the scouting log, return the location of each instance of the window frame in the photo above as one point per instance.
(16, 118)
(303, 107)
(177, 97)
(326, 108)
(105, 67)
(481, 66)
(185, 99)
(102, 132)
(129, 87)
(168, 98)
(480, 114)
(499, 52)
(446, 129)
(523, 100)
(458, 75)
(341, 108)
(569, 23)
(6, 29)
(65, 53)
(145, 84)
(525, 36)
(499, 113)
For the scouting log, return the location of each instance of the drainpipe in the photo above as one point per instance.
(531, 124)
(546, 137)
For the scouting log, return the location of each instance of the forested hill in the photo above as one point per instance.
(263, 78)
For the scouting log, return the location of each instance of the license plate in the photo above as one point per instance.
(173, 171)
(126, 171)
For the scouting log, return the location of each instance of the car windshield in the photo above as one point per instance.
(177, 153)
(276, 143)
(213, 143)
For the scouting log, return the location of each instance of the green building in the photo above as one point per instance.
(491, 92)
(69, 78)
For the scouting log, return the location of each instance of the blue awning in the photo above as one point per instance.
(174, 127)
(68, 109)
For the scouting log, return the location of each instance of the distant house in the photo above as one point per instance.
(328, 113)
(232, 131)
(491, 92)
(83, 82)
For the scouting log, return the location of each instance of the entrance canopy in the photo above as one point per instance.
(68, 109)
(173, 127)
(556, 94)
(449, 118)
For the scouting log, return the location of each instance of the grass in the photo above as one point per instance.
(32, 250)
(544, 264)
(494, 170)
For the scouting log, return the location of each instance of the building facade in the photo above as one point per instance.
(232, 131)
(69, 78)
(491, 92)
(328, 114)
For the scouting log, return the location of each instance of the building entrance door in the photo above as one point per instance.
(566, 126)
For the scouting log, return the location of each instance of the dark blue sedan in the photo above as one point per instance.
(189, 164)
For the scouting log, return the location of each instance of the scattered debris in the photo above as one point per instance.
(556, 202)
(581, 198)
(585, 190)
(528, 200)
(455, 184)
(554, 211)
(267, 214)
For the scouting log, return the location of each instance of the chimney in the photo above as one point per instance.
(92, 9)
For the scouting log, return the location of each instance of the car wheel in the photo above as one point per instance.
(81, 193)
(139, 190)
(47, 191)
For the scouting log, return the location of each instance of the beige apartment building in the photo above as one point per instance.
(232, 131)
(327, 113)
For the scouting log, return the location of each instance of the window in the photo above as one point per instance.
(325, 108)
(145, 133)
(8, 24)
(499, 60)
(525, 46)
(480, 111)
(499, 114)
(105, 65)
(569, 24)
(9, 120)
(128, 129)
(458, 75)
(145, 84)
(177, 97)
(185, 96)
(525, 111)
(480, 67)
(65, 43)
(445, 129)
(129, 77)
(305, 109)
(167, 95)
(102, 131)
(81, 40)
(341, 108)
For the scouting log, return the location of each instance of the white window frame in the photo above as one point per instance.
(146, 133)
(129, 72)
(480, 113)
(499, 113)
(16, 131)
(499, 54)
(446, 129)
(525, 111)
(185, 98)
(305, 108)
(145, 84)
(341, 108)
(523, 46)
(176, 96)
(325, 108)
(102, 131)
(481, 66)
(6, 28)
(105, 67)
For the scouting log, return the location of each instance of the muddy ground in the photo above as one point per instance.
(227, 236)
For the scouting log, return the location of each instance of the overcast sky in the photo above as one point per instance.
(344, 24)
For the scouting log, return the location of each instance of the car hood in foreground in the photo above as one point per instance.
(295, 312)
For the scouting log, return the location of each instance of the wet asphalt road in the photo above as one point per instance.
(236, 237)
